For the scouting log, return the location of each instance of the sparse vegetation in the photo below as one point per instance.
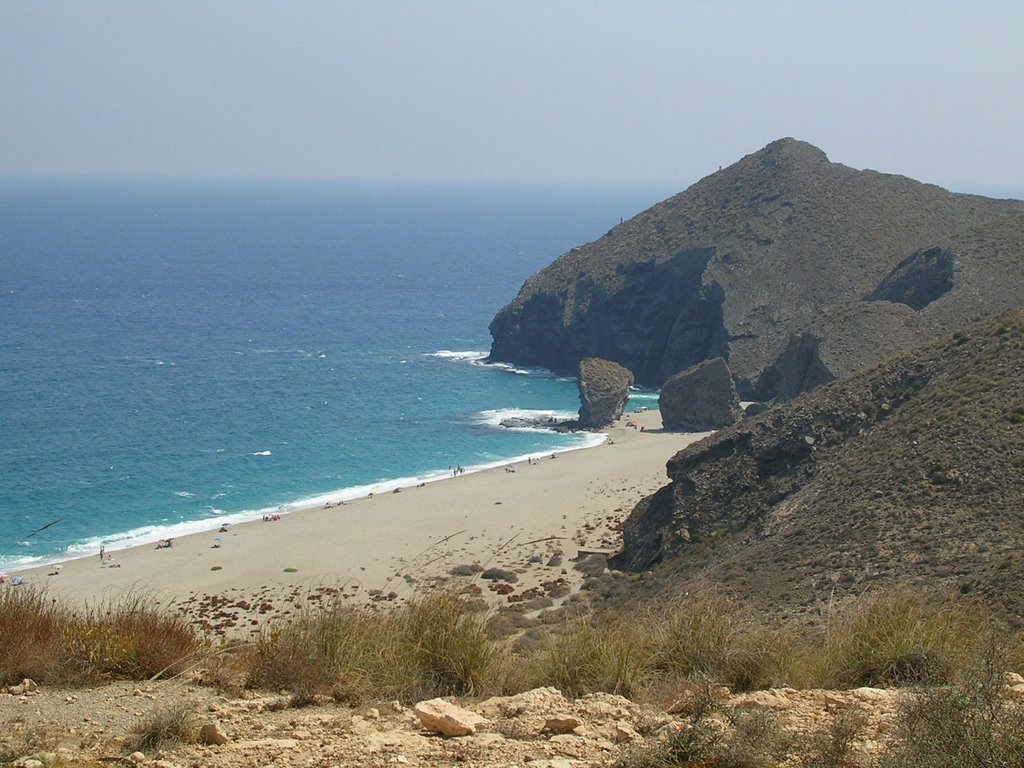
(970, 724)
(123, 639)
(437, 645)
(440, 645)
(165, 726)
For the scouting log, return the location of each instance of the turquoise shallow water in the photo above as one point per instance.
(173, 356)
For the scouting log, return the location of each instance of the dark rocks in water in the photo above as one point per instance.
(781, 244)
(699, 398)
(604, 389)
(536, 422)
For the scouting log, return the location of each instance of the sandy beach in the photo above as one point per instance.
(530, 518)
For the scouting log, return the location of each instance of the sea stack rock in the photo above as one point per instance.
(604, 389)
(701, 397)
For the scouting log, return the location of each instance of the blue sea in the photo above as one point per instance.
(178, 355)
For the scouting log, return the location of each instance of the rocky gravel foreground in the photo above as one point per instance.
(540, 728)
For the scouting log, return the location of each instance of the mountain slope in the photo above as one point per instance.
(747, 257)
(907, 471)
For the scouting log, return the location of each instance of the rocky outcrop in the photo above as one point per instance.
(752, 256)
(604, 389)
(699, 398)
(918, 280)
(904, 471)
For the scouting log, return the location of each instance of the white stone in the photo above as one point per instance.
(137, 757)
(446, 718)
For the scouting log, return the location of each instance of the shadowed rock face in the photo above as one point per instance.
(699, 398)
(918, 280)
(781, 244)
(604, 389)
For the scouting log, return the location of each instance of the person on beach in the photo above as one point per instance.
(103, 551)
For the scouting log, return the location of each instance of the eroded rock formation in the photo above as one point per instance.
(604, 389)
(699, 398)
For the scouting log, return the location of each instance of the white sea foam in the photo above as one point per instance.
(184, 494)
(475, 357)
(468, 356)
(262, 453)
(493, 418)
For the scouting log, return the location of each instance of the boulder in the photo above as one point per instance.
(211, 733)
(604, 389)
(447, 719)
(701, 397)
(561, 723)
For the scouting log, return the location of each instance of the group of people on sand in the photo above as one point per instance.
(456, 471)
(271, 518)
(107, 560)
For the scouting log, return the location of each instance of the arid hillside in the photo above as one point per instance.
(908, 471)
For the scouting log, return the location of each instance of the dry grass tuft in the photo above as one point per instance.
(436, 645)
(900, 637)
(164, 727)
(124, 639)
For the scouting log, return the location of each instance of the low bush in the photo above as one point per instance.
(833, 748)
(436, 645)
(899, 637)
(124, 639)
(165, 727)
(969, 724)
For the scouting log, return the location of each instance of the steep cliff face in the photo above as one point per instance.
(906, 471)
(660, 318)
(744, 259)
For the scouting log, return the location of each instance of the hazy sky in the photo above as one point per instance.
(552, 90)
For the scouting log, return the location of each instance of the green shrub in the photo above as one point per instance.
(585, 656)
(970, 724)
(449, 644)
